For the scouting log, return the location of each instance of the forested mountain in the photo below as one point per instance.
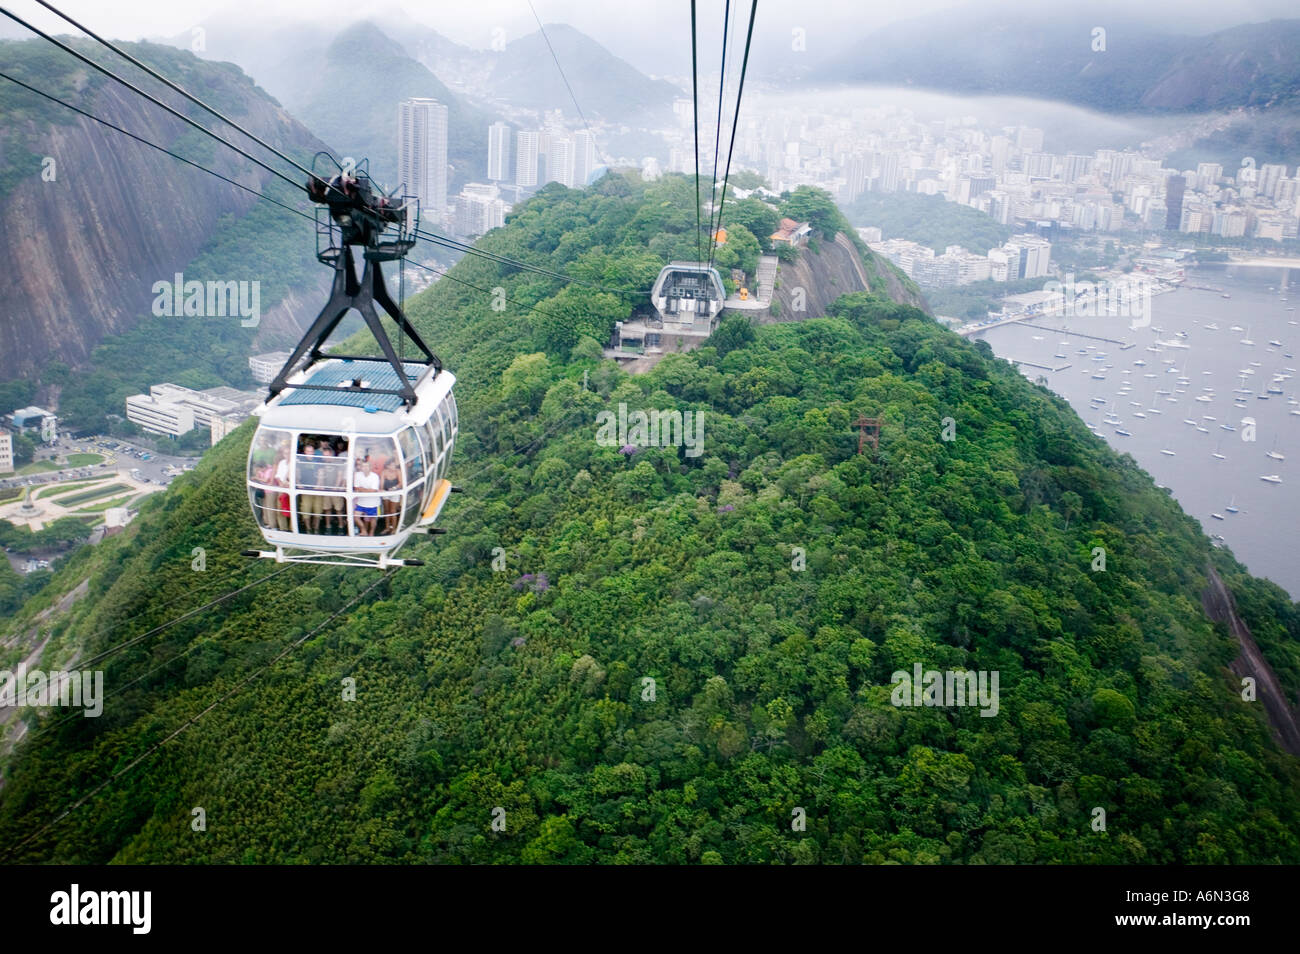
(622, 654)
(93, 219)
(930, 220)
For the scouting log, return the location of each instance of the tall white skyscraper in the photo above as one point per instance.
(889, 172)
(422, 152)
(584, 158)
(559, 161)
(498, 151)
(526, 159)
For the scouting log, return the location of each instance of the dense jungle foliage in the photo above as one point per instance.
(633, 655)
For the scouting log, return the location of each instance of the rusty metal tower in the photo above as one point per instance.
(869, 433)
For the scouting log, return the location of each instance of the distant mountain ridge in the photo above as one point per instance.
(525, 74)
(1140, 68)
(352, 103)
(344, 82)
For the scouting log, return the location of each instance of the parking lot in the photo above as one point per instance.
(120, 455)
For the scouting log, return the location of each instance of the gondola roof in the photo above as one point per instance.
(341, 373)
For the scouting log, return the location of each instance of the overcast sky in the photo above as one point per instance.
(630, 29)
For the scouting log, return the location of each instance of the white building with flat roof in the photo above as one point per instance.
(6, 452)
(173, 410)
(266, 366)
(159, 415)
(223, 425)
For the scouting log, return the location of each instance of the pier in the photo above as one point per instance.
(1123, 345)
(1043, 367)
(1260, 262)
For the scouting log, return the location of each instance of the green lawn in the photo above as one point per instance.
(105, 505)
(36, 467)
(11, 494)
(84, 460)
(66, 488)
(73, 499)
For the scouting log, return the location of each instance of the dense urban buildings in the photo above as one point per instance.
(1025, 256)
(855, 150)
(478, 209)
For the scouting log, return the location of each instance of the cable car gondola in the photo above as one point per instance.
(351, 452)
(686, 292)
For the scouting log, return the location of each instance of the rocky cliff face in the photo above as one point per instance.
(85, 247)
(805, 288)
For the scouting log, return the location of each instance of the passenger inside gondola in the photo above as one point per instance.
(264, 473)
(334, 508)
(320, 466)
(268, 471)
(380, 455)
(365, 482)
(391, 480)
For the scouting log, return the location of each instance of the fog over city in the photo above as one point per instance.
(834, 26)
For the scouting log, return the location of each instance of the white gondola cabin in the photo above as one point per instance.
(688, 291)
(339, 472)
(352, 451)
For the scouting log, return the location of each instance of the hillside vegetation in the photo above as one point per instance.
(640, 655)
(930, 220)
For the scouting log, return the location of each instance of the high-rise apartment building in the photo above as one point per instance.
(1074, 168)
(1175, 186)
(422, 152)
(1207, 174)
(1038, 164)
(890, 174)
(584, 158)
(498, 152)
(526, 159)
(1269, 176)
(559, 161)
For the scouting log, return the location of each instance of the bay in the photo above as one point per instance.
(1190, 351)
